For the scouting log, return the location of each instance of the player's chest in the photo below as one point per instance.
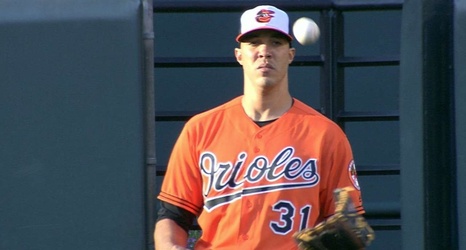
(244, 149)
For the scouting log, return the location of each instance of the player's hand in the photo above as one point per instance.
(346, 229)
(179, 248)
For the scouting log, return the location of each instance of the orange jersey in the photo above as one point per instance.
(252, 187)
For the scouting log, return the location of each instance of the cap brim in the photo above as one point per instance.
(240, 36)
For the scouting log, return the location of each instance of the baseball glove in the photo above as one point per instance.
(345, 230)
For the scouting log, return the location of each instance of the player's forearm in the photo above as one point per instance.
(169, 236)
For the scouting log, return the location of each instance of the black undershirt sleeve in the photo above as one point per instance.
(181, 216)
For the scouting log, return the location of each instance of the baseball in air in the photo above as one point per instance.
(306, 31)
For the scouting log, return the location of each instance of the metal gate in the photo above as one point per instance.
(332, 64)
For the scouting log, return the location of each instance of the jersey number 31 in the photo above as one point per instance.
(287, 213)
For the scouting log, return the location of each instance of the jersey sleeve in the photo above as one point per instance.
(341, 173)
(182, 185)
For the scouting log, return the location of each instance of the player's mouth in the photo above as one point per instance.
(265, 67)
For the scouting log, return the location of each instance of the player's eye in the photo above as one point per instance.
(277, 42)
(254, 43)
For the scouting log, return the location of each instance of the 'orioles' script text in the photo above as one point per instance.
(222, 175)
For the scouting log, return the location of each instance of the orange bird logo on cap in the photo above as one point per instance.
(264, 16)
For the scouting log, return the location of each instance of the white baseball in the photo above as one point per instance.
(306, 31)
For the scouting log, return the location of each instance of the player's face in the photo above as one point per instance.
(265, 56)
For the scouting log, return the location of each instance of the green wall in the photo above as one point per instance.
(71, 126)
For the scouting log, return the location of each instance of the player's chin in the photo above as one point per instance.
(266, 82)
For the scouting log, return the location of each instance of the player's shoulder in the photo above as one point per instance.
(312, 116)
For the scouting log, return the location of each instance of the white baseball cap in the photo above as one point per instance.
(264, 17)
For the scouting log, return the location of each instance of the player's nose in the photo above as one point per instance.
(264, 51)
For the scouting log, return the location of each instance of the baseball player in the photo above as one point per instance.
(260, 167)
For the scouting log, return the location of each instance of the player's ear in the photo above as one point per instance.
(239, 56)
(291, 54)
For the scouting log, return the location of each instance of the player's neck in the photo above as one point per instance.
(266, 107)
